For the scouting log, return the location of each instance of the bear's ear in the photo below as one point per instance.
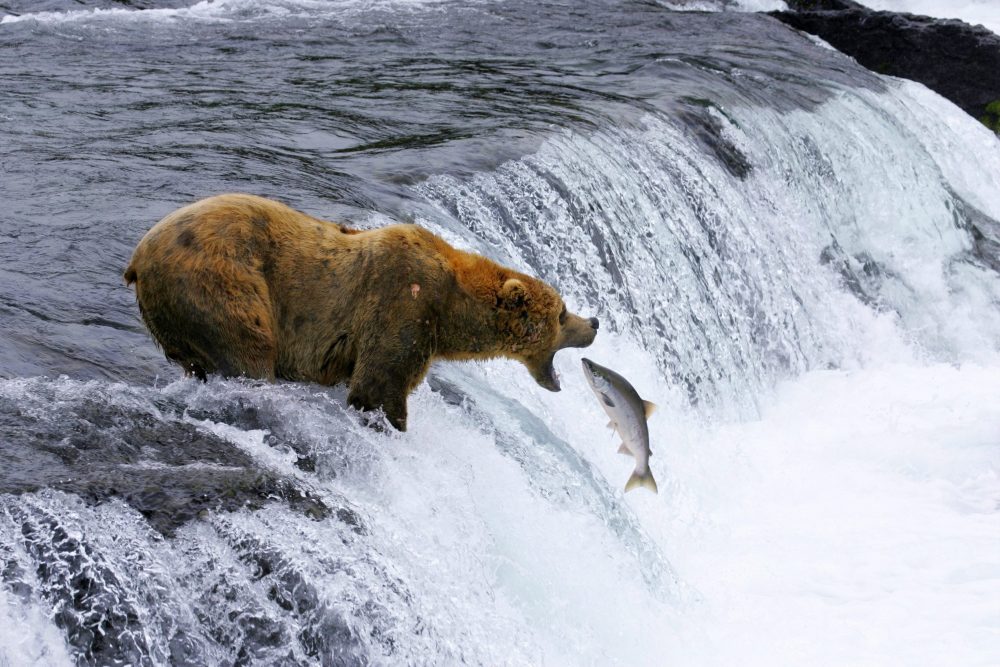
(513, 295)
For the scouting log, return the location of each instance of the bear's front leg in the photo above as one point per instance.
(388, 368)
(367, 395)
(378, 385)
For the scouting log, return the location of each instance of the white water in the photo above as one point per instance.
(855, 523)
(725, 5)
(223, 11)
(245, 10)
(832, 499)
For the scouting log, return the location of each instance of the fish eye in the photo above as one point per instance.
(562, 316)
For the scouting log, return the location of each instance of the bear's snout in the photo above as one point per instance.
(578, 331)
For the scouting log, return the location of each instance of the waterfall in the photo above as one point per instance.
(791, 250)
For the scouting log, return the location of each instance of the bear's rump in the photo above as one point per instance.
(209, 320)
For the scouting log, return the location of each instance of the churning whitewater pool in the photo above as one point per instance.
(796, 259)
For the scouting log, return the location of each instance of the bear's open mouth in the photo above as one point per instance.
(547, 377)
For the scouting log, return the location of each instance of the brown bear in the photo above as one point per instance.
(241, 285)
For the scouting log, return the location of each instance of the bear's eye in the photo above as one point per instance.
(562, 316)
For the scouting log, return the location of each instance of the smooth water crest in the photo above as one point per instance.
(796, 259)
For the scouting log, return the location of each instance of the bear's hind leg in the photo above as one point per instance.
(205, 334)
(242, 343)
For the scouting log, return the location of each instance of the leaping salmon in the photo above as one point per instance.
(628, 413)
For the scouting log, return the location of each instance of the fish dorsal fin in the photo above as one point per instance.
(622, 449)
(649, 407)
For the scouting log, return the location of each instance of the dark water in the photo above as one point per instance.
(701, 181)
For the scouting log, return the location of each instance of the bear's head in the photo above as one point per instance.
(534, 324)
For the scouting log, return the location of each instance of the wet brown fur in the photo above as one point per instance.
(241, 285)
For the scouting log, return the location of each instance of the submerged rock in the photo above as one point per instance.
(984, 230)
(170, 471)
(708, 130)
(956, 60)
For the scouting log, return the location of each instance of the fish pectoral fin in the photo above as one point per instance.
(649, 408)
(622, 449)
(637, 480)
(611, 424)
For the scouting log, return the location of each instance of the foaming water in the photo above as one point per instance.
(458, 548)
(724, 5)
(904, 239)
(219, 10)
(243, 10)
(855, 522)
(37, 641)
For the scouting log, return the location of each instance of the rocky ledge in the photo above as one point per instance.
(958, 61)
(171, 471)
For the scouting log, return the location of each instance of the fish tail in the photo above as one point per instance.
(645, 480)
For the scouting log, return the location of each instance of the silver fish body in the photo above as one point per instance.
(628, 414)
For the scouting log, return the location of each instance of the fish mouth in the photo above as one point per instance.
(590, 370)
(546, 375)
